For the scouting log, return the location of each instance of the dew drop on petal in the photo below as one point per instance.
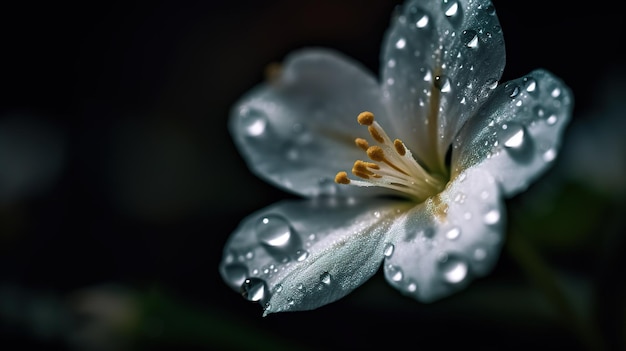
(301, 255)
(388, 250)
(443, 83)
(470, 38)
(549, 155)
(417, 17)
(401, 43)
(531, 84)
(552, 119)
(274, 231)
(480, 254)
(492, 217)
(513, 135)
(253, 122)
(394, 273)
(253, 289)
(453, 233)
(450, 8)
(325, 278)
(236, 274)
(454, 269)
(512, 90)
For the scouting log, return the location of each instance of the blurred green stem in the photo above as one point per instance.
(545, 279)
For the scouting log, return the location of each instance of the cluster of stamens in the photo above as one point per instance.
(393, 166)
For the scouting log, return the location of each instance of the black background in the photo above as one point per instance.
(151, 185)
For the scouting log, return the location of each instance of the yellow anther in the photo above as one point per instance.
(374, 133)
(399, 147)
(364, 167)
(362, 144)
(376, 153)
(365, 118)
(342, 178)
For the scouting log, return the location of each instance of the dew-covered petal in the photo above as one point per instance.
(440, 60)
(298, 130)
(517, 133)
(442, 245)
(300, 255)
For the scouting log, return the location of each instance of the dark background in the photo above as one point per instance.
(122, 184)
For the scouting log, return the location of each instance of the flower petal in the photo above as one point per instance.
(517, 133)
(449, 240)
(440, 61)
(300, 255)
(298, 131)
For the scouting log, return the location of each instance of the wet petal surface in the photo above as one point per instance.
(440, 60)
(448, 241)
(298, 131)
(300, 255)
(517, 133)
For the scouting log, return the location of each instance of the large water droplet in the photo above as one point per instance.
(236, 274)
(450, 8)
(470, 38)
(274, 231)
(388, 250)
(443, 83)
(516, 141)
(277, 236)
(253, 122)
(254, 289)
(325, 278)
(454, 269)
(531, 84)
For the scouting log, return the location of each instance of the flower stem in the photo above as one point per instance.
(537, 270)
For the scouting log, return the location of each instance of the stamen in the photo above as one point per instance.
(374, 133)
(399, 145)
(393, 165)
(342, 178)
(365, 118)
(362, 143)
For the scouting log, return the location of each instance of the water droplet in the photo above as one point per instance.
(531, 84)
(301, 255)
(512, 90)
(394, 273)
(278, 288)
(443, 83)
(254, 122)
(549, 155)
(556, 92)
(454, 269)
(552, 120)
(426, 74)
(391, 63)
(253, 289)
(325, 278)
(274, 231)
(277, 236)
(236, 274)
(450, 8)
(470, 38)
(401, 43)
(418, 17)
(390, 81)
(480, 254)
(411, 287)
(513, 135)
(249, 255)
(492, 217)
(490, 10)
(388, 251)
(453, 233)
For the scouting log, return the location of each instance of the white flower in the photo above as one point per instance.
(446, 144)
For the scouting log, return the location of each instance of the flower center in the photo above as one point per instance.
(392, 166)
